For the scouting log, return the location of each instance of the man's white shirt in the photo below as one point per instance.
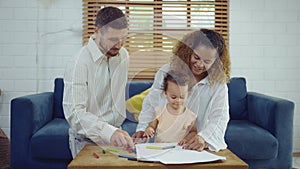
(94, 92)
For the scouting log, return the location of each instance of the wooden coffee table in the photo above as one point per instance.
(86, 160)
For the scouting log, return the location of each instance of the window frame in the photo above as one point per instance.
(150, 49)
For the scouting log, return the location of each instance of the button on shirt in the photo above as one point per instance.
(209, 102)
(94, 93)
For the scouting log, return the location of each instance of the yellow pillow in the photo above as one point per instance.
(134, 104)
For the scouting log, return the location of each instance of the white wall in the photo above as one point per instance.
(38, 36)
(264, 47)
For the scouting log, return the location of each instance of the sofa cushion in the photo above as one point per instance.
(129, 126)
(58, 97)
(52, 141)
(134, 104)
(134, 88)
(249, 141)
(237, 93)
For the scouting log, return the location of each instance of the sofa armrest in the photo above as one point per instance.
(28, 114)
(275, 115)
(272, 113)
(32, 112)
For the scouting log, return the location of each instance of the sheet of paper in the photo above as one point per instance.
(175, 155)
(181, 156)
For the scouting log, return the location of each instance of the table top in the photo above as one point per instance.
(86, 160)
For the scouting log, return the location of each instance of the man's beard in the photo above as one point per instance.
(112, 52)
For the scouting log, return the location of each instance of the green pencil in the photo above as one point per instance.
(112, 149)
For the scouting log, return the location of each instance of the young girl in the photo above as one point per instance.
(173, 122)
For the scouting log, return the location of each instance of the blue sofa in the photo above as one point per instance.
(260, 130)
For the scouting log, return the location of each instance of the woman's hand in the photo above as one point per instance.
(195, 143)
(187, 138)
(182, 142)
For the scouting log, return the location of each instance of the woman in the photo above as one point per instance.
(204, 55)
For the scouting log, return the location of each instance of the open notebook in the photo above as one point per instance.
(174, 155)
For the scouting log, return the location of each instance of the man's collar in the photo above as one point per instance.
(94, 49)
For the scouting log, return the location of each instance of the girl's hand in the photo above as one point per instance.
(149, 132)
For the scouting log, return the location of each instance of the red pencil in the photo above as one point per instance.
(95, 155)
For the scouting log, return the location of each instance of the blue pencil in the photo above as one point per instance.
(126, 156)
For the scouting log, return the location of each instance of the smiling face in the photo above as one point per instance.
(110, 40)
(176, 95)
(201, 60)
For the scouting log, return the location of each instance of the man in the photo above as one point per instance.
(94, 94)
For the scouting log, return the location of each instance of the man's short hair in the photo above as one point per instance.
(111, 17)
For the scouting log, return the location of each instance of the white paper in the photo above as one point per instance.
(175, 155)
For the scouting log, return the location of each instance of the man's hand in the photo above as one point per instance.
(195, 143)
(139, 136)
(121, 138)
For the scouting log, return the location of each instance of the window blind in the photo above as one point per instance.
(156, 25)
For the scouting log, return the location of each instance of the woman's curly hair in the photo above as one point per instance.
(183, 50)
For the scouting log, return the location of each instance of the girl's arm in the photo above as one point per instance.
(150, 130)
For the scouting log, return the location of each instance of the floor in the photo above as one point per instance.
(296, 162)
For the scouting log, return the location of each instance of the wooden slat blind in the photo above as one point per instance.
(156, 25)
